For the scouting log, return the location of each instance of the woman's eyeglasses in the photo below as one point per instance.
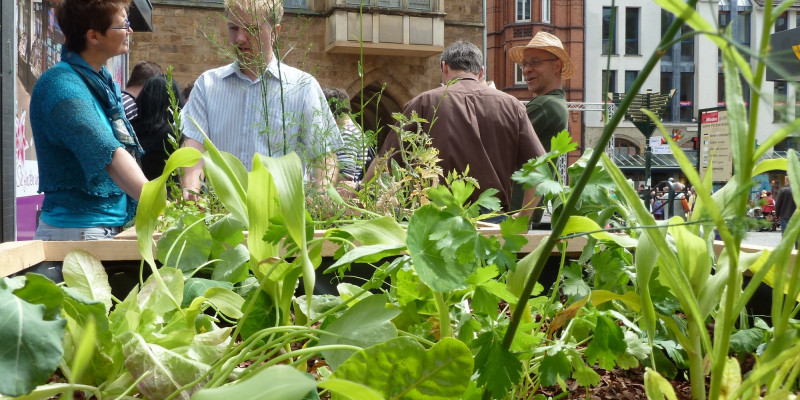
(126, 27)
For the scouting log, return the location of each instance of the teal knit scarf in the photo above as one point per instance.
(107, 93)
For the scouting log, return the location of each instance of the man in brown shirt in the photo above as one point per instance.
(475, 126)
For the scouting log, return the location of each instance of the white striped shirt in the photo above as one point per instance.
(229, 108)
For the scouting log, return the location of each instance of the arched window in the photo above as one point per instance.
(624, 147)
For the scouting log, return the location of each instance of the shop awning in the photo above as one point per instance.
(141, 16)
(659, 162)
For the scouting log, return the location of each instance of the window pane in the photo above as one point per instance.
(630, 76)
(632, 31)
(779, 107)
(519, 78)
(666, 86)
(610, 79)
(782, 23)
(687, 45)
(545, 10)
(666, 21)
(523, 10)
(420, 4)
(609, 36)
(687, 96)
(298, 4)
(389, 3)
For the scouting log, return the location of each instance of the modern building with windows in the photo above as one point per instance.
(514, 23)
(619, 41)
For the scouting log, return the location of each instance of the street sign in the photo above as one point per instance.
(715, 144)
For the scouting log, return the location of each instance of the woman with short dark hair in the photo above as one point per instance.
(86, 149)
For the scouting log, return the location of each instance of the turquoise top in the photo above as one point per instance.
(74, 144)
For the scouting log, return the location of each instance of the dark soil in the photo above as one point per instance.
(615, 384)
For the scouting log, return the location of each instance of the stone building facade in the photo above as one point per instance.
(514, 23)
(400, 61)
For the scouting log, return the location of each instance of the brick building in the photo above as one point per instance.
(514, 23)
(402, 41)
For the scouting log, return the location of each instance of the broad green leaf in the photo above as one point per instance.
(31, 347)
(656, 387)
(167, 371)
(159, 297)
(153, 200)
(497, 368)
(207, 347)
(402, 368)
(319, 305)
(573, 283)
(84, 273)
(367, 254)
(262, 315)
(261, 206)
(365, 324)
(348, 290)
(770, 165)
(693, 254)
(578, 224)
(586, 376)
(608, 341)
(349, 390)
(82, 311)
(232, 266)
(279, 382)
(84, 351)
(228, 230)
(645, 261)
(39, 289)
(224, 174)
(186, 246)
(384, 230)
(434, 269)
(554, 367)
(287, 175)
(746, 340)
(226, 301)
(630, 299)
(197, 287)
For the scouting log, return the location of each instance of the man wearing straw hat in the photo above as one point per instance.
(544, 64)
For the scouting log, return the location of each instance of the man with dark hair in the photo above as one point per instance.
(476, 126)
(142, 71)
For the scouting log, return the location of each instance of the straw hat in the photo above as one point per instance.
(549, 43)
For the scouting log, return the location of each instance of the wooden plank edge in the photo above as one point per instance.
(17, 256)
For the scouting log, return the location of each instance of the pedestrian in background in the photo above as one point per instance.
(785, 205)
(355, 152)
(142, 71)
(153, 126)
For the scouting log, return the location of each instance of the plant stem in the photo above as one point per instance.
(444, 315)
(695, 353)
(572, 200)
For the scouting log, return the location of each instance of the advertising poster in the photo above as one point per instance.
(39, 40)
(715, 145)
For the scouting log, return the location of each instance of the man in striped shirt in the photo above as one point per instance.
(257, 104)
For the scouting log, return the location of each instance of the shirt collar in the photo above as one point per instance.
(233, 69)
